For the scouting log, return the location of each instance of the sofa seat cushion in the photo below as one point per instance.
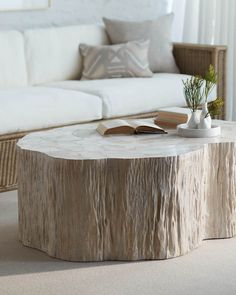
(41, 107)
(128, 96)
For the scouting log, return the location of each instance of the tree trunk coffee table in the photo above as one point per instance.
(84, 197)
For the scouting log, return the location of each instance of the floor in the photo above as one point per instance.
(210, 269)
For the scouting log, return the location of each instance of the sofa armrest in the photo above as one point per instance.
(194, 59)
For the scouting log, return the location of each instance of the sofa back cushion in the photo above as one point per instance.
(158, 31)
(52, 54)
(12, 60)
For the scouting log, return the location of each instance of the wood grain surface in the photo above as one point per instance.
(110, 208)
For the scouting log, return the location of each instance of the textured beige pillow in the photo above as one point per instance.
(158, 31)
(115, 61)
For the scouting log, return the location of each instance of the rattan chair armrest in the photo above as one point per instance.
(194, 59)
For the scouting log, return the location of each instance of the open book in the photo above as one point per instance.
(128, 127)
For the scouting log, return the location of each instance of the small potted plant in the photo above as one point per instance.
(197, 91)
(193, 97)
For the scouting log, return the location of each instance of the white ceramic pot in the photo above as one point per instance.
(193, 121)
(205, 118)
(205, 123)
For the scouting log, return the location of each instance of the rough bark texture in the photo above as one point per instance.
(127, 209)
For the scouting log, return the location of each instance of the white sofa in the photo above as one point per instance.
(40, 87)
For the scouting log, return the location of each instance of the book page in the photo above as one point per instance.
(115, 127)
(143, 123)
(115, 123)
(145, 126)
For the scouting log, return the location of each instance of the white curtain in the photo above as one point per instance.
(210, 22)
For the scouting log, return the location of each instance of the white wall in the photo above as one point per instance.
(64, 12)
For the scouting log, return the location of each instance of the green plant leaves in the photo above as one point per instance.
(198, 89)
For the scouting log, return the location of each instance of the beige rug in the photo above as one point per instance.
(210, 269)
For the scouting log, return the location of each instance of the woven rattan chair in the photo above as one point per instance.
(192, 59)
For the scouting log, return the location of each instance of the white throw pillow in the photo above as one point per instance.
(158, 31)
